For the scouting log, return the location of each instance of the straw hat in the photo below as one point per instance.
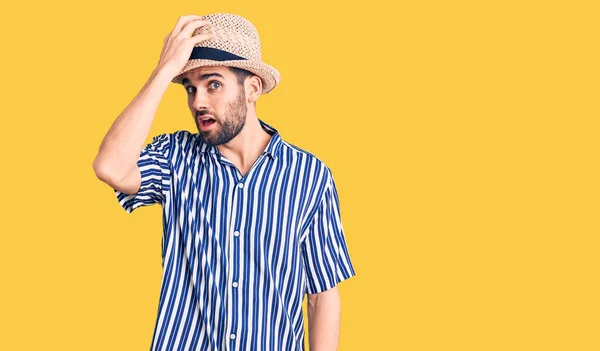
(235, 43)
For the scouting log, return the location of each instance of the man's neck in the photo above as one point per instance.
(247, 146)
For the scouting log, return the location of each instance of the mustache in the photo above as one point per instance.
(203, 112)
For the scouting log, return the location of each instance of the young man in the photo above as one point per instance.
(251, 222)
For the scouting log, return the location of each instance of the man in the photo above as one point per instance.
(251, 222)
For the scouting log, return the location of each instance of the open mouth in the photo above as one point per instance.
(207, 122)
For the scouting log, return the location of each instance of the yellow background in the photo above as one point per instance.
(463, 137)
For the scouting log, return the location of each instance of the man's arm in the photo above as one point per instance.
(324, 311)
(116, 161)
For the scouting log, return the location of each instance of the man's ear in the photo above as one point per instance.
(253, 88)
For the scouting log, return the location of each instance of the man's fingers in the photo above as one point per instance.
(191, 26)
(182, 22)
(201, 37)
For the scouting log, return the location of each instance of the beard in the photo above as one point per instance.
(231, 122)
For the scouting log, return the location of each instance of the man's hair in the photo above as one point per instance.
(241, 75)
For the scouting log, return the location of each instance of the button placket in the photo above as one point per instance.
(235, 252)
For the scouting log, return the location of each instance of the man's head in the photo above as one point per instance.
(220, 98)
(234, 42)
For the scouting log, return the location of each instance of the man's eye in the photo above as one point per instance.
(190, 90)
(214, 84)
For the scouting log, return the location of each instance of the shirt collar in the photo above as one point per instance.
(272, 149)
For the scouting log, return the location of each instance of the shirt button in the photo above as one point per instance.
(241, 185)
(236, 233)
(235, 284)
(232, 336)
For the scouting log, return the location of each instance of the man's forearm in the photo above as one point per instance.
(122, 144)
(324, 320)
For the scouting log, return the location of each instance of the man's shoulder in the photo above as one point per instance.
(183, 135)
(179, 137)
(308, 156)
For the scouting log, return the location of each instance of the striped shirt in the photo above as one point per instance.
(239, 253)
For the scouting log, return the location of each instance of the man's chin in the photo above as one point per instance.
(209, 138)
(206, 133)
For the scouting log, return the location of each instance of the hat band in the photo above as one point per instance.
(201, 52)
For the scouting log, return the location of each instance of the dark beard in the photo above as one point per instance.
(232, 123)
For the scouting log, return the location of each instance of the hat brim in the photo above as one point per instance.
(268, 74)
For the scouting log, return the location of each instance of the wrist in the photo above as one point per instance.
(162, 72)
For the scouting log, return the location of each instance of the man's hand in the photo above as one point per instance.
(179, 43)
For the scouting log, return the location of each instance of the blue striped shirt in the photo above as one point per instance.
(239, 253)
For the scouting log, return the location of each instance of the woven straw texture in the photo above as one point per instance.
(237, 35)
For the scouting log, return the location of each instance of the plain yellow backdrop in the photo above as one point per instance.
(463, 136)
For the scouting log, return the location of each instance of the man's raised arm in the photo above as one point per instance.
(116, 161)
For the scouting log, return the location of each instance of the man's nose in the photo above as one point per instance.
(201, 101)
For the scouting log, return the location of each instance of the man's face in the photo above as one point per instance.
(217, 102)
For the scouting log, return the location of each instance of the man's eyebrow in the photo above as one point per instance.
(203, 77)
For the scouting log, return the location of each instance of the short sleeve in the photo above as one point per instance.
(155, 169)
(325, 253)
